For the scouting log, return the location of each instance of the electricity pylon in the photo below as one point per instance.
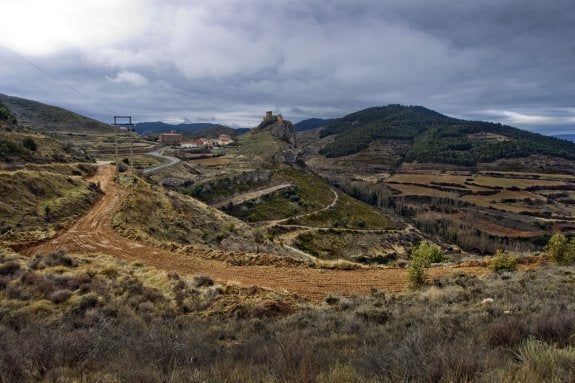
(126, 122)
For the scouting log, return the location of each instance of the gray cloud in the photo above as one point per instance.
(508, 61)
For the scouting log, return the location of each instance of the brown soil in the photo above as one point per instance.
(92, 234)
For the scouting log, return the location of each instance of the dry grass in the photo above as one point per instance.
(514, 182)
(543, 176)
(171, 220)
(427, 179)
(348, 213)
(212, 162)
(35, 204)
(423, 191)
(125, 322)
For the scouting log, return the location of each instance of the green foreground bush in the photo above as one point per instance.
(422, 256)
(561, 250)
(503, 261)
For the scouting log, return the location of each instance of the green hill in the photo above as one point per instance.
(46, 118)
(436, 138)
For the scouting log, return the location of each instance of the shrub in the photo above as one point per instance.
(422, 256)
(203, 281)
(60, 296)
(29, 144)
(541, 361)
(560, 249)
(416, 271)
(87, 301)
(430, 251)
(502, 261)
(59, 258)
(9, 268)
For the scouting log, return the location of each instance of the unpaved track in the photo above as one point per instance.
(251, 195)
(92, 234)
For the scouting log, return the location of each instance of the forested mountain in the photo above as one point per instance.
(437, 138)
(568, 137)
(311, 123)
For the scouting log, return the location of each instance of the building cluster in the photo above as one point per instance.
(171, 138)
(175, 139)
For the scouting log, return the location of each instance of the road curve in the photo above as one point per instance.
(158, 153)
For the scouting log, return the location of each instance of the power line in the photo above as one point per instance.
(34, 87)
(60, 82)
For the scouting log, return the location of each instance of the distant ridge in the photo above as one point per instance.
(436, 138)
(190, 130)
(312, 123)
(568, 137)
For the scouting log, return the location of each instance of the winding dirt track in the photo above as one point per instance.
(93, 234)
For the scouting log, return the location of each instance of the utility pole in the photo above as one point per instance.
(126, 122)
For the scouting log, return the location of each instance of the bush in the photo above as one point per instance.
(58, 258)
(87, 301)
(416, 271)
(9, 268)
(429, 251)
(560, 249)
(203, 281)
(60, 296)
(29, 144)
(545, 362)
(422, 256)
(502, 261)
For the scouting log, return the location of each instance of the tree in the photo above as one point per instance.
(560, 249)
(422, 256)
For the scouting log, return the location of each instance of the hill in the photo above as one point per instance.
(312, 123)
(568, 137)
(193, 130)
(73, 131)
(435, 138)
(47, 118)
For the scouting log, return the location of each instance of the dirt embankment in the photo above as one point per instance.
(92, 234)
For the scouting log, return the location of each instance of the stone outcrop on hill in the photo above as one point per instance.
(284, 131)
(279, 128)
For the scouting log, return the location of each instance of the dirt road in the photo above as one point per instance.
(251, 195)
(93, 234)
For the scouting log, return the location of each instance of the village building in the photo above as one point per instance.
(192, 144)
(175, 139)
(224, 140)
(171, 138)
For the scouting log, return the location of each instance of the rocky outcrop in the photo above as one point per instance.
(284, 131)
(279, 128)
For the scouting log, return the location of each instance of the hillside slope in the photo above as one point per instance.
(47, 118)
(435, 138)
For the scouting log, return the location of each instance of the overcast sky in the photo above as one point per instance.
(228, 61)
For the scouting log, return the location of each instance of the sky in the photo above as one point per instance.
(230, 61)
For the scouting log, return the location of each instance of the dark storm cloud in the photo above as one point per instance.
(508, 61)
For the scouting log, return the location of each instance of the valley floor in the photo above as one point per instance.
(93, 234)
